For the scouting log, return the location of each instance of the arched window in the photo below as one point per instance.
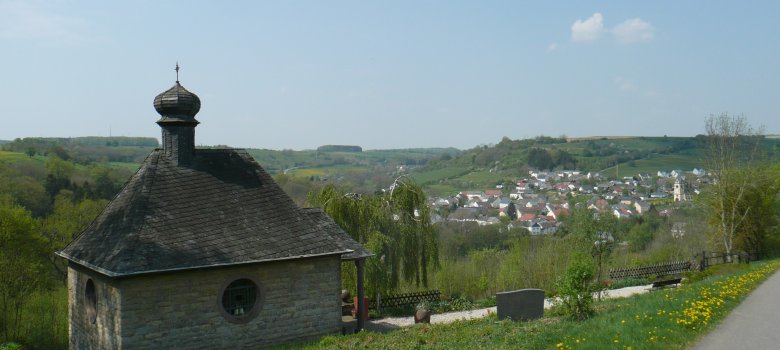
(90, 301)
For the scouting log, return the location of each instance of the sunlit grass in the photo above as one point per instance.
(435, 175)
(326, 171)
(670, 318)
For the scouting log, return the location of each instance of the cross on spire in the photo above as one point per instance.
(177, 71)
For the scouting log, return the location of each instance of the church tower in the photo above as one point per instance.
(178, 108)
(679, 190)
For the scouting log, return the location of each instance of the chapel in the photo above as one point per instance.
(201, 249)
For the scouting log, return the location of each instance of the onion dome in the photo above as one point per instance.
(177, 105)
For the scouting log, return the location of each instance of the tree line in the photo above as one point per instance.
(44, 204)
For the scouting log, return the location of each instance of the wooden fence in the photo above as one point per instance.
(397, 300)
(658, 270)
(707, 259)
(701, 262)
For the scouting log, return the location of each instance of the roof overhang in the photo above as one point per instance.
(114, 274)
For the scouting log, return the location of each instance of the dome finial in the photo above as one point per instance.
(177, 71)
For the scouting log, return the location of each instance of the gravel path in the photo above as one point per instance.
(391, 323)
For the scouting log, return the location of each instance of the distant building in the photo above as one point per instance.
(681, 190)
(641, 207)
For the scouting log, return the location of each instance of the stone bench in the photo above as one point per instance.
(520, 305)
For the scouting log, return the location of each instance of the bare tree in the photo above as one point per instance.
(732, 152)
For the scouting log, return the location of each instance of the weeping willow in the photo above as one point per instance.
(395, 225)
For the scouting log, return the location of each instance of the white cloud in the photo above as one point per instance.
(633, 31)
(552, 47)
(587, 30)
(25, 21)
(623, 84)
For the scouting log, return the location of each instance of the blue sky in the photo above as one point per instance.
(391, 74)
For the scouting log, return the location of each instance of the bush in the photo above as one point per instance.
(487, 302)
(575, 289)
(723, 269)
(458, 303)
(629, 282)
(695, 276)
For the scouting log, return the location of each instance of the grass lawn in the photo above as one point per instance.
(10, 157)
(442, 189)
(327, 170)
(665, 319)
(435, 175)
(682, 161)
(484, 179)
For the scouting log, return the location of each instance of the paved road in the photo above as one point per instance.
(754, 324)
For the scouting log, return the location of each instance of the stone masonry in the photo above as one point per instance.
(299, 299)
(83, 333)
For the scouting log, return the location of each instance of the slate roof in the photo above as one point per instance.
(223, 209)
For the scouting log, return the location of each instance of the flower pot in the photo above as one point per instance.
(355, 307)
(422, 316)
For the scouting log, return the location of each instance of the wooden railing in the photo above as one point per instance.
(700, 262)
(657, 270)
(707, 259)
(397, 300)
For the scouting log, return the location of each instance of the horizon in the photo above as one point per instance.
(568, 139)
(388, 76)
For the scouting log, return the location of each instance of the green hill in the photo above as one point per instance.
(294, 162)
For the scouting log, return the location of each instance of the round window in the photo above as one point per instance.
(90, 301)
(239, 298)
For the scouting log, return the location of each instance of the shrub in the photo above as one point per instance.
(460, 304)
(629, 282)
(575, 289)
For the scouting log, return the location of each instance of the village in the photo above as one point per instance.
(538, 202)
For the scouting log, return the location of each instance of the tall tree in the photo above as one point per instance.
(69, 218)
(760, 201)
(511, 211)
(540, 159)
(22, 264)
(395, 224)
(593, 233)
(733, 158)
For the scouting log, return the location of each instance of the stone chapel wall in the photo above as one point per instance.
(299, 300)
(100, 334)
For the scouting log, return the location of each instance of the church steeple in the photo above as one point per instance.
(178, 108)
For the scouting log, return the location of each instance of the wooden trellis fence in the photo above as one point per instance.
(658, 270)
(396, 300)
